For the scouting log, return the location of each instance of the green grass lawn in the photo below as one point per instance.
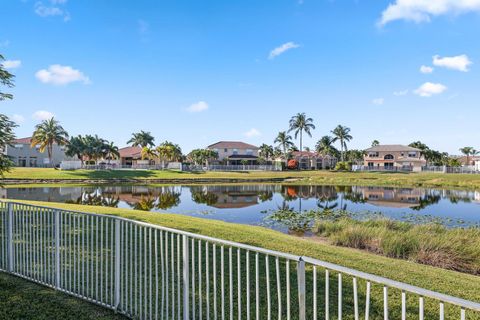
(21, 299)
(444, 281)
(468, 181)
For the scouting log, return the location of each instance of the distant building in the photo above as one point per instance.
(129, 156)
(308, 160)
(392, 157)
(469, 161)
(235, 152)
(23, 155)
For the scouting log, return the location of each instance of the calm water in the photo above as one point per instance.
(252, 204)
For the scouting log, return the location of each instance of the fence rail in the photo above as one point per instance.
(151, 272)
(216, 167)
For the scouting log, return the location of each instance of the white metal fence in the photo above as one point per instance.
(217, 167)
(444, 169)
(150, 272)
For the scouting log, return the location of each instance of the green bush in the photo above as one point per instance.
(343, 166)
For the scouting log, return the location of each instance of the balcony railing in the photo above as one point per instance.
(151, 272)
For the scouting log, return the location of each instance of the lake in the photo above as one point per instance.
(252, 204)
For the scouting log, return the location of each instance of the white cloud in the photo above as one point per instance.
(252, 133)
(18, 118)
(426, 69)
(400, 93)
(423, 10)
(11, 64)
(42, 115)
(460, 63)
(61, 75)
(53, 8)
(429, 89)
(198, 107)
(283, 48)
(378, 101)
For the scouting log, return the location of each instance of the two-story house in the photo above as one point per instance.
(393, 157)
(23, 155)
(235, 152)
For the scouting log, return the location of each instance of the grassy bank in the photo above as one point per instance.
(434, 180)
(446, 281)
(21, 299)
(431, 244)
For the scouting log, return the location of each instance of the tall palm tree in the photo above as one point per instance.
(325, 146)
(110, 151)
(342, 134)
(142, 139)
(148, 153)
(94, 147)
(266, 151)
(468, 151)
(76, 147)
(46, 134)
(284, 141)
(299, 123)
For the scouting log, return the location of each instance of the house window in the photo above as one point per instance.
(388, 157)
(412, 154)
(235, 151)
(370, 164)
(373, 154)
(249, 152)
(225, 150)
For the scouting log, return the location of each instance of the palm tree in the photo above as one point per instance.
(142, 139)
(168, 151)
(342, 134)
(94, 147)
(284, 141)
(375, 143)
(111, 151)
(299, 123)
(46, 134)
(325, 146)
(266, 151)
(76, 147)
(148, 153)
(468, 151)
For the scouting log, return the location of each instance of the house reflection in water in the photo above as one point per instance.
(231, 197)
(392, 197)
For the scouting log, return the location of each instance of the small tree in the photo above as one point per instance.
(46, 134)
(6, 125)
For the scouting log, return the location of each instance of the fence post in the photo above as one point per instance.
(301, 289)
(186, 279)
(117, 263)
(57, 248)
(10, 237)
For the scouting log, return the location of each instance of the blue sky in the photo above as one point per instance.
(195, 72)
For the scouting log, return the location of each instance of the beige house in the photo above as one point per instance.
(394, 157)
(235, 152)
(308, 160)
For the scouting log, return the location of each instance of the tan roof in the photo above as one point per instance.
(231, 145)
(22, 141)
(130, 152)
(391, 148)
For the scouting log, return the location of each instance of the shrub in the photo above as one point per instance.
(431, 244)
(343, 166)
(292, 164)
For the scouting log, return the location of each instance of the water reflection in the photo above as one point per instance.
(248, 203)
